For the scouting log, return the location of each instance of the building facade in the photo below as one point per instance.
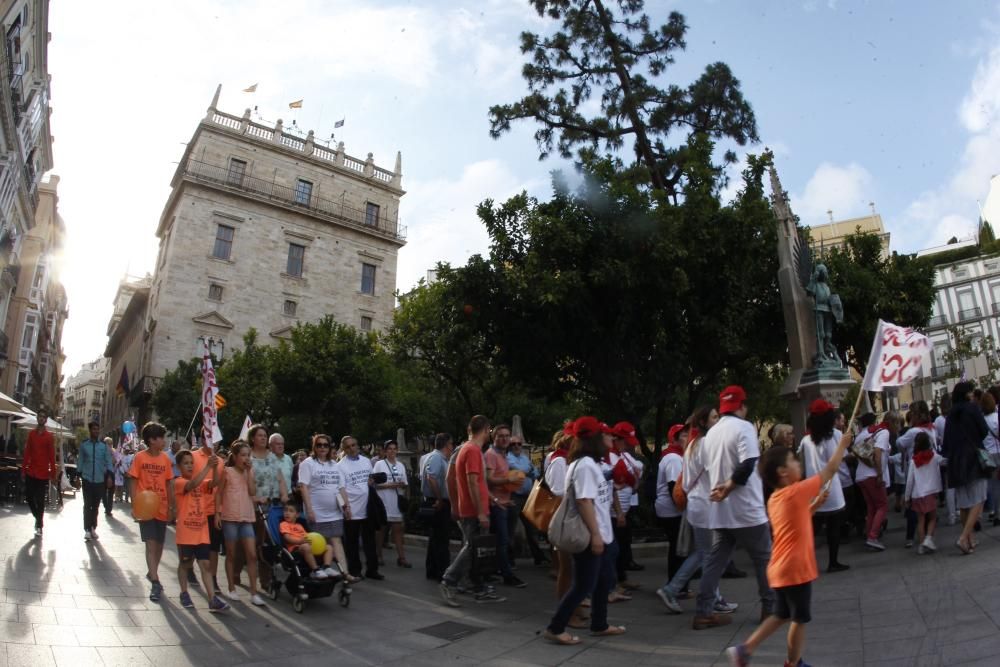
(264, 229)
(123, 355)
(833, 234)
(83, 398)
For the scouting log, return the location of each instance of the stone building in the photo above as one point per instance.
(264, 229)
(833, 234)
(83, 397)
(25, 255)
(123, 354)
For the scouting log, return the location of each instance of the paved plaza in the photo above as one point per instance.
(68, 602)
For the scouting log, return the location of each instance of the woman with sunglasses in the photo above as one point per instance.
(325, 499)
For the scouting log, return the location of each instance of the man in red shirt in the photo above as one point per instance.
(470, 506)
(39, 468)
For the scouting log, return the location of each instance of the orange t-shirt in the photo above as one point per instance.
(294, 530)
(152, 474)
(200, 461)
(470, 460)
(793, 556)
(192, 519)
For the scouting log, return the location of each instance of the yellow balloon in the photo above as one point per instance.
(318, 543)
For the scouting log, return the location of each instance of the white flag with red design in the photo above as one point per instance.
(898, 357)
(210, 432)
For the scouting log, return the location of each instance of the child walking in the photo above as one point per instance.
(151, 471)
(236, 517)
(191, 491)
(793, 557)
(295, 538)
(923, 484)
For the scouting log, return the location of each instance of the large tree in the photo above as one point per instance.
(178, 396)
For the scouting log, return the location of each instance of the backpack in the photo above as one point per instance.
(865, 450)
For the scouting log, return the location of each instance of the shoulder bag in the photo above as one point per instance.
(865, 450)
(540, 506)
(567, 530)
(400, 498)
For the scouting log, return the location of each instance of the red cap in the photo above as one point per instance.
(626, 432)
(731, 399)
(672, 433)
(821, 406)
(585, 426)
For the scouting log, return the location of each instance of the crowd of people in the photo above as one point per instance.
(714, 489)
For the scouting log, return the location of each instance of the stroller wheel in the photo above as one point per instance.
(345, 598)
(298, 604)
(275, 589)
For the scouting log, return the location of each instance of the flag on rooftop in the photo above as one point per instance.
(339, 123)
(297, 104)
(250, 89)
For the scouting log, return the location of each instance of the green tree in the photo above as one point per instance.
(986, 235)
(611, 50)
(969, 345)
(245, 383)
(177, 398)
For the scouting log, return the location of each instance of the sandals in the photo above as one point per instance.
(565, 639)
(610, 631)
(966, 550)
(578, 623)
(402, 562)
(615, 596)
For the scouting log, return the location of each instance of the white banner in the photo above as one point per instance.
(898, 356)
(245, 431)
(209, 416)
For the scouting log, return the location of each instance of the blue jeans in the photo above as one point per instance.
(463, 560)
(702, 545)
(501, 528)
(593, 576)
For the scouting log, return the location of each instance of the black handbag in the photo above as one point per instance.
(376, 510)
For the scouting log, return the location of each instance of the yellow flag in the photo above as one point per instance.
(219, 402)
(297, 104)
(251, 89)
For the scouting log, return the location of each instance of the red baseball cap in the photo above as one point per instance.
(625, 431)
(674, 430)
(821, 406)
(585, 426)
(731, 399)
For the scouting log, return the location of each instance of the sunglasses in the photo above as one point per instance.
(322, 444)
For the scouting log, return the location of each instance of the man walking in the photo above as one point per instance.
(470, 506)
(434, 487)
(736, 513)
(39, 468)
(498, 483)
(97, 469)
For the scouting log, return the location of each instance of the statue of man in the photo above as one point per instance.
(828, 310)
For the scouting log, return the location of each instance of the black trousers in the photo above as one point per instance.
(35, 490)
(623, 536)
(109, 494)
(438, 553)
(834, 522)
(672, 527)
(93, 493)
(364, 530)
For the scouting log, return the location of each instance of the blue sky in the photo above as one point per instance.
(893, 102)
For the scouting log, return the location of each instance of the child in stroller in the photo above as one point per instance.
(295, 570)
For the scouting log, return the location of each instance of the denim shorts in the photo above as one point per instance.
(237, 530)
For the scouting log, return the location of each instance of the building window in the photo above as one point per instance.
(289, 308)
(366, 323)
(223, 242)
(368, 279)
(296, 256)
(237, 170)
(371, 214)
(30, 325)
(215, 292)
(303, 191)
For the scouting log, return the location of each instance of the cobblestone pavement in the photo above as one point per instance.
(67, 602)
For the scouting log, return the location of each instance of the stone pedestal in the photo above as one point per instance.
(804, 386)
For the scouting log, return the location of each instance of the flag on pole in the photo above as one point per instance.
(339, 123)
(219, 402)
(245, 431)
(122, 387)
(897, 358)
(250, 89)
(297, 104)
(210, 432)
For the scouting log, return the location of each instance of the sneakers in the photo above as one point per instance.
(87, 536)
(186, 601)
(909, 544)
(320, 574)
(217, 604)
(669, 601)
(330, 572)
(93, 535)
(257, 600)
(38, 532)
(488, 594)
(738, 656)
(920, 550)
(875, 545)
(838, 567)
(514, 582)
(723, 607)
(448, 595)
(155, 591)
(234, 594)
(711, 621)
(928, 544)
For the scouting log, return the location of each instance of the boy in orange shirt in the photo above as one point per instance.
(151, 471)
(191, 492)
(793, 557)
(294, 536)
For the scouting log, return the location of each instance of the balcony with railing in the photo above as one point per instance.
(937, 321)
(970, 314)
(943, 370)
(291, 197)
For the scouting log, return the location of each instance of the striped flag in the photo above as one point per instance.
(250, 89)
(209, 395)
(219, 401)
(297, 104)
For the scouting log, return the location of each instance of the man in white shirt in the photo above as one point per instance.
(736, 514)
(356, 473)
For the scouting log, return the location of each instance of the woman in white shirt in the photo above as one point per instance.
(818, 448)
(393, 495)
(594, 567)
(324, 498)
(992, 444)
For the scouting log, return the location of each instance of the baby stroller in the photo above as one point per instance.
(290, 571)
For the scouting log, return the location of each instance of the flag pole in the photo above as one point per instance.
(857, 405)
(191, 425)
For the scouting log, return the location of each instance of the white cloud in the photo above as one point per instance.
(845, 190)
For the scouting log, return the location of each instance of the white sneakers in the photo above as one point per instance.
(89, 535)
(928, 544)
(330, 572)
(38, 532)
(234, 594)
(875, 544)
(257, 600)
(321, 573)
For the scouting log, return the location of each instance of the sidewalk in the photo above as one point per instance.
(64, 601)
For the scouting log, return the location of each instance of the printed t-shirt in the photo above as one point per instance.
(294, 530)
(730, 442)
(394, 472)
(470, 460)
(354, 476)
(497, 462)
(793, 555)
(589, 482)
(192, 519)
(200, 461)
(152, 474)
(324, 480)
(668, 471)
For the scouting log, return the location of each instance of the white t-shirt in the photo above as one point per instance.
(324, 481)
(844, 471)
(730, 442)
(816, 457)
(882, 442)
(990, 441)
(939, 431)
(394, 472)
(696, 485)
(639, 466)
(589, 482)
(668, 471)
(355, 479)
(904, 443)
(555, 474)
(925, 480)
(626, 493)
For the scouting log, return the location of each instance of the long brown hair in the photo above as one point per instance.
(234, 451)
